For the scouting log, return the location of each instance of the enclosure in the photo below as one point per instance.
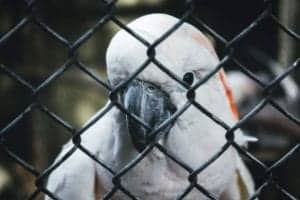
(53, 80)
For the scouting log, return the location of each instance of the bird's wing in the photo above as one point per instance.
(244, 185)
(244, 179)
(241, 187)
(75, 178)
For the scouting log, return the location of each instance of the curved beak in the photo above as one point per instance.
(150, 104)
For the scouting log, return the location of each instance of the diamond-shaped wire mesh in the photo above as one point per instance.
(36, 91)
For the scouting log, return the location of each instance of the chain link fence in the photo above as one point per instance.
(72, 60)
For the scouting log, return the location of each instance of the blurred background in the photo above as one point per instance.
(75, 97)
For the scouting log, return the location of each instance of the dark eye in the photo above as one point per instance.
(188, 78)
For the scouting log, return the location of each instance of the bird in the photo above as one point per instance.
(153, 96)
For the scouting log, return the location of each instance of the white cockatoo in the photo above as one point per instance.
(153, 96)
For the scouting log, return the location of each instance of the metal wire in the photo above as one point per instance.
(73, 61)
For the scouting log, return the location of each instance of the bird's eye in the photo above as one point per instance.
(188, 77)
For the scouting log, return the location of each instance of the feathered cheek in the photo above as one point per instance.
(186, 123)
(117, 77)
(178, 99)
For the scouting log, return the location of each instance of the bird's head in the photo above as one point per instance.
(154, 96)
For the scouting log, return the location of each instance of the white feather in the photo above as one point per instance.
(194, 138)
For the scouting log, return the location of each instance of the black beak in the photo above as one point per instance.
(150, 104)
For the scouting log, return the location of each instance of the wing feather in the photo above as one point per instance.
(75, 178)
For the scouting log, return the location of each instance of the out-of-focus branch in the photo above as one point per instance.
(289, 15)
(272, 120)
(289, 86)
